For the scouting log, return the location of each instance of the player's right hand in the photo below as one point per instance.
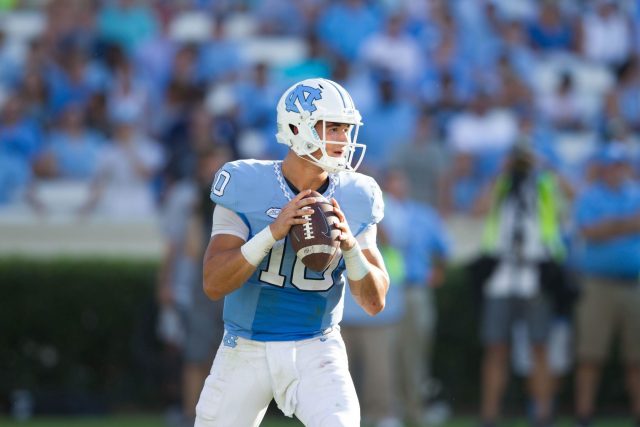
(292, 214)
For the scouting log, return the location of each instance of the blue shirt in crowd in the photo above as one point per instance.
(418, 232)
(361, 23)
(15, 173)
(619, 256)
(76, 156)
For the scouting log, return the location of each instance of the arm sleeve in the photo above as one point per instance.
(226, 221)
(367, 238)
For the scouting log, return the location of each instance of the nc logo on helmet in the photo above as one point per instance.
(306, 96)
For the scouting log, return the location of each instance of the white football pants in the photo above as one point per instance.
(308, 378)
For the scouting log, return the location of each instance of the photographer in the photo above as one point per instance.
(521, 239)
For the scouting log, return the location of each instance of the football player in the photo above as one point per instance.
(282, 339)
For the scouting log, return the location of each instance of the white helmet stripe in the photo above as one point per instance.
(339, 92)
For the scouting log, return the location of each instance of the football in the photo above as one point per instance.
(316, 242)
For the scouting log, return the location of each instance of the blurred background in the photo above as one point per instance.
(115, 114)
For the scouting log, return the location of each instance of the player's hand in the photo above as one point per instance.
(347, 241)
(292, 214)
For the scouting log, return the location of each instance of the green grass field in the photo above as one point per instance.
(157, 421)
(118, 421)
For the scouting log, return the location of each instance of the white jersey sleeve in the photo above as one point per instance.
(367, 238)
(226, 221)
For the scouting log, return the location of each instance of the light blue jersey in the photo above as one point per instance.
(283, 300)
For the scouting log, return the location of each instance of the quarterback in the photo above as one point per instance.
(282, 340)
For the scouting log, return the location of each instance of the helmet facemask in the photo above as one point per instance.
(316, 150)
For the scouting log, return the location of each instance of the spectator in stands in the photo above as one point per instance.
(282, 17)
(446, 100)
(317, 61)
(72, 79)
(522, 231)
(182, 93)
(372, 342)
(361, 19)
(447, 61)
(510, 88)
(394, 51)
(14, 178)
(72, 150)
(72, 22)
(424, 22)
(190, 136)
(19, 136)
(424, 160)
(563, 108)
(551, 31)
(416, 231)
(11, 59)
(608, 219)
(126, 23)
(482, 128)
(19, 146)
(607, 34)
(122, 188)
(129, 92)
(463, 185)
(97, 116)
(154, 56)
(219, 58)
(257, 95)
(39, 55)
(479, 32)
(381, 139)
(35, 94)
(186, 221)
(358, 80)
(518, 50)
(623, 99)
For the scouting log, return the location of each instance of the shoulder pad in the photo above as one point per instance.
(236, 181)
(361, 200)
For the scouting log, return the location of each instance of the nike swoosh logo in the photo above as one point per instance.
(327, 227)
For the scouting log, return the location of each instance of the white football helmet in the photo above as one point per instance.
(302, 106)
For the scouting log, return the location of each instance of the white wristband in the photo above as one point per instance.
(256, 248)
(356, 263)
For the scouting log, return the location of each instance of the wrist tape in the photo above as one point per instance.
(256, 248)
(356, 263)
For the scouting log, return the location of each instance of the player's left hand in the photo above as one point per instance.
(347, 241)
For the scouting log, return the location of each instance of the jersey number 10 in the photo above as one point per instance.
(298, 278)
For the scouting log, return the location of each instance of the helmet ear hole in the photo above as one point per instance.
(294, 129)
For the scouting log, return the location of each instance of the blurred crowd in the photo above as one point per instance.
(123, 94)
(134, 104)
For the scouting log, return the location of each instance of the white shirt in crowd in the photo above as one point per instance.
(473, 133)
(127, 194)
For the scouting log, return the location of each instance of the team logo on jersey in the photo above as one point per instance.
(305, 97)
(230, 340)
(273, 212)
